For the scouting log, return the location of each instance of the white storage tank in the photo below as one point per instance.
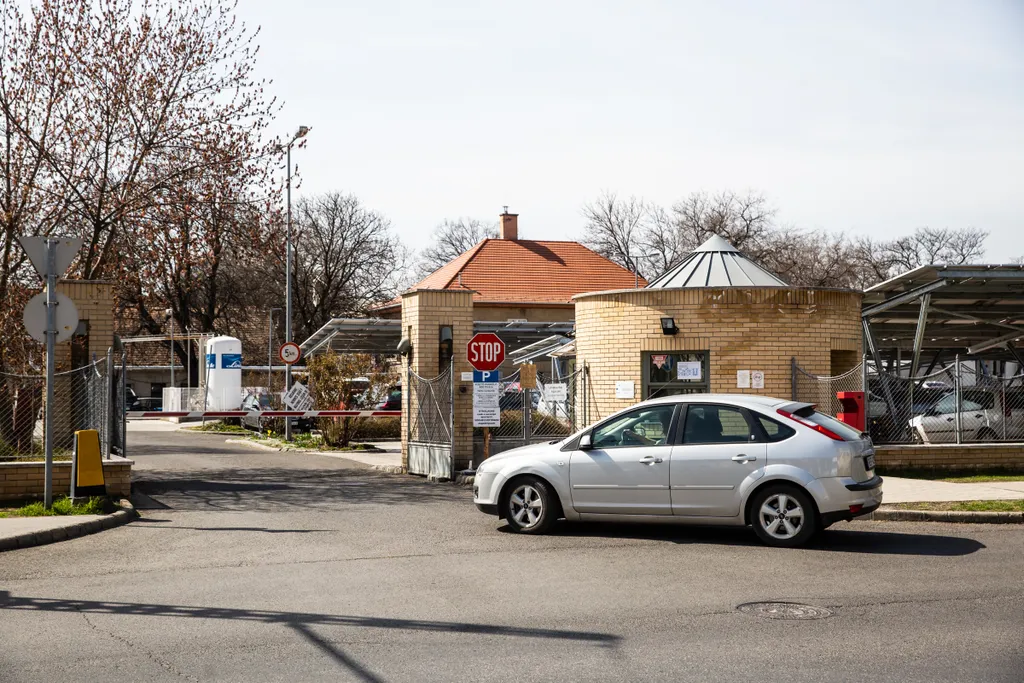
(223, 373)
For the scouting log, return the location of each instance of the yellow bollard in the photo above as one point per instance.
(87, 465)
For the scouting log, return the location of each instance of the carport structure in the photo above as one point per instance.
(936, 313)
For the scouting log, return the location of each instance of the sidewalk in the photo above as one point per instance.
(900, 490)
(25, 532)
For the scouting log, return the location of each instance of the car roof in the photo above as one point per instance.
(746, 400)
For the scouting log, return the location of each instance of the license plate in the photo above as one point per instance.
(869, 462)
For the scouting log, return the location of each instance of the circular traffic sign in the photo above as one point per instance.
(35, 318)
(486, 351)
(289, 353)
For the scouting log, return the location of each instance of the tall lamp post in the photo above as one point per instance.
(170, 317)
(270, 351)
(300, 133)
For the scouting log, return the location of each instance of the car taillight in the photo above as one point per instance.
(807, 423)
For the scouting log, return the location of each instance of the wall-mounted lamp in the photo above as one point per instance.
(668, 326)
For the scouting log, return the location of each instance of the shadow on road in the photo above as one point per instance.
(284, 488)
(301, 623)
(848, 539)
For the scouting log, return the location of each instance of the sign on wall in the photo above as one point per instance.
(231, 361)
(743, 379)
(625, 390)
(757, 379)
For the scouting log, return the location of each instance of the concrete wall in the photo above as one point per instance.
(94, 300)
(25, 480)
(951, 456)
(424, 312)
(742, 328)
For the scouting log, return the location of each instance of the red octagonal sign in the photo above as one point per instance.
(486, 351)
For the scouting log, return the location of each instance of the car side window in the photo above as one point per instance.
(707, 423)
(946, 404)
(775, 431)
(642, 427)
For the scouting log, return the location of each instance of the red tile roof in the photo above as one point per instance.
(528, 271)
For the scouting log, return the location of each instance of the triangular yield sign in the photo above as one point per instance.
(35, 248)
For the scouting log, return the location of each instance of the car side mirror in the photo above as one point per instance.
(585, 442)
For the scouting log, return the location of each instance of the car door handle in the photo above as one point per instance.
(977, 416)
(744, 458)
(949, 419)
(650, 460)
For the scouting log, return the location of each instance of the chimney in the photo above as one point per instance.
(508, 225)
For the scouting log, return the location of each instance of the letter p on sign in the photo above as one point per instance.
(485, 351)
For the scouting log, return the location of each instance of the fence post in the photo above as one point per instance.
(451, 421)
(124, 404)
(866, 390)
(958, 397)
(110, 404)
(792, 378)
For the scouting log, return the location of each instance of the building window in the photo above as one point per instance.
(446, 348)
(670, 374)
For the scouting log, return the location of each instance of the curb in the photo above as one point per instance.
(955, 516)
(388, 469)
(253, 444)
(126, 514)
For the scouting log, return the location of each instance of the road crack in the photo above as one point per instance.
(162, 663)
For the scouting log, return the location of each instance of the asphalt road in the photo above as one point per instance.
(259, 566)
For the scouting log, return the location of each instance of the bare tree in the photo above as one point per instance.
(882, 259)
(347, 258)
(618, 230)
(450, 239)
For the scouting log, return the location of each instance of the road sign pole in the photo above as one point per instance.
(51, 335)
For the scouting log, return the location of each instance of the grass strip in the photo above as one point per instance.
(966, 506)
(61, 506)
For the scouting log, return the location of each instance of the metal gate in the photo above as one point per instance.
(533, 415)
(429, 404)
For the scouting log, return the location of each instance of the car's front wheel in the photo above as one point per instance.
(783, 516)
(529, 506)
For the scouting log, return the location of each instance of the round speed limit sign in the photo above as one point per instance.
(289, 353)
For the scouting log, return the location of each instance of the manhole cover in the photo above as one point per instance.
(784, 610)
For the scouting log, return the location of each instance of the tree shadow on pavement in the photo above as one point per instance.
(301, 622)
(277, 488)
(848, 539)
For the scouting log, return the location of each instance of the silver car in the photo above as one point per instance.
(736, 460)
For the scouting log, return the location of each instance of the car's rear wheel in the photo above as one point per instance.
(783, 516)
(529, 506)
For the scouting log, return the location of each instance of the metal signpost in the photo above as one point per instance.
(50, 257)
(486, 352)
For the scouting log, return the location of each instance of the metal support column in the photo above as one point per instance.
(958, 395)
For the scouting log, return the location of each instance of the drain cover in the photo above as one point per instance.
(784, 610)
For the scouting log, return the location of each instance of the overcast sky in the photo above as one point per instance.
(864, 117)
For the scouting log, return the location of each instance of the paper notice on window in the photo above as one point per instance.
(556, 392)
(689, 370)
(757, 379)
(743, 379)
(625, 390)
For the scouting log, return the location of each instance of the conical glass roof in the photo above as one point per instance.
(716, 263)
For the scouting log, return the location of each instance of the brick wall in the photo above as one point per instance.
(424, 312)
(94, 300)
(951, 456)
(742, 328)
(25, 480)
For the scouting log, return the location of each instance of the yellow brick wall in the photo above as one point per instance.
(951, 456)
(425, 312)
(95, 303)
(743, 329)
(25, 480)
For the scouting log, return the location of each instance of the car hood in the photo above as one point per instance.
(523, 451)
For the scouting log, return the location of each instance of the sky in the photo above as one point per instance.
(871, 118)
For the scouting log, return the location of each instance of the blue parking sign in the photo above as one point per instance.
(486, 375)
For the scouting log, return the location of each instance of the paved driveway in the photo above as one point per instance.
(256, 566)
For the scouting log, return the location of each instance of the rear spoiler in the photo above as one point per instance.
(794, 406)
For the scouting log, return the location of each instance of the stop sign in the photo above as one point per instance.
(486, 351)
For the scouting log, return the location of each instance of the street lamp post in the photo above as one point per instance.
(288, 273)
(270, 351)
(170, 317)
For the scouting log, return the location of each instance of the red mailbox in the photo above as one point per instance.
(853, 408)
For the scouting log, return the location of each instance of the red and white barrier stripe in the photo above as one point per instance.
(265, 413)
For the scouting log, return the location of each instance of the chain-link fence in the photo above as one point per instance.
(822, 390)
(85, 398)
(961, 402)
